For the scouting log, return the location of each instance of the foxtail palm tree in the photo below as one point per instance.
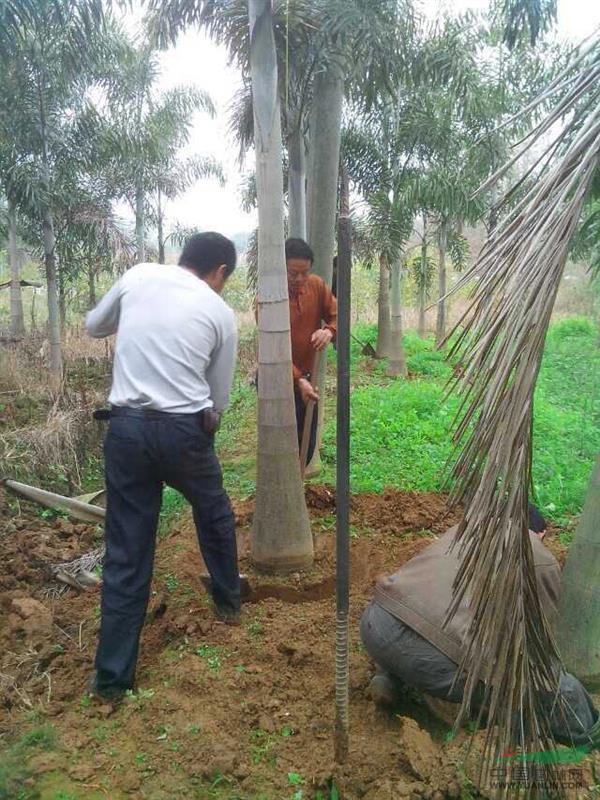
(48, 63)
(500, 343)
(282, 538)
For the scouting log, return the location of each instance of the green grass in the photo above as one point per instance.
(567, 416)
(173, 505)
(401, 429)
(236, 442)
(14, 758)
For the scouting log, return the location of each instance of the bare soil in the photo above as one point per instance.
(220, 711)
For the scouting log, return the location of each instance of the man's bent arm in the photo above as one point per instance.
(104, 319)
(221, 371)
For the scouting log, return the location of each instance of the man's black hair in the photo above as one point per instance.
(204, 252)
(537, 523)
(298, 248)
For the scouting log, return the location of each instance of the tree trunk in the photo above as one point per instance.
(324, 161)
(49, 244)
(33, 319)
(397, 360)
(281, 536)
(423, 281)
(140, 241)
(383, 309)
(578, 630)
(323, 176)
(297, 183)
(17, 322)
(56, 366)
(91, 286)
(62, 301)
(440, 328)
(159, 225)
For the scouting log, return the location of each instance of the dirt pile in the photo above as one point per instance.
(31, 540)
(220, 712)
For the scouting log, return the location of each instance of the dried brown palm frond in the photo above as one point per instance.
(499, 343)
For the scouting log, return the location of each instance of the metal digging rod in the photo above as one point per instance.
(343, 476)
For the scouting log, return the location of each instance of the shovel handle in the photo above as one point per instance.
(308, 417)
(308, 421)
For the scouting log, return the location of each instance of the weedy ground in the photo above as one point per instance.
(247, 713)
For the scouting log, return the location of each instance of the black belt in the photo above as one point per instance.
(144, 413)
(208, 419)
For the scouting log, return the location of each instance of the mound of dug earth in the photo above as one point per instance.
(220, 712)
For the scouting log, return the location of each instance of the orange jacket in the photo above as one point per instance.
(313, 305)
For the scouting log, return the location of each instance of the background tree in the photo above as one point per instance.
(281, 536)
(49, 63)
(144, 131)
(172, 178)
(17, 321)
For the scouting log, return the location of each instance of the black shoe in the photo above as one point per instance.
(228, 615)
(113, 697)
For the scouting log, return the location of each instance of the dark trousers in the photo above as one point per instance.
(409, 659)
(300, 416)
(143, 451)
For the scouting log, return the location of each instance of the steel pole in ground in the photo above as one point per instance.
(343, 474)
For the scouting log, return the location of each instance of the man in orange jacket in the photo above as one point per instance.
(313, 323)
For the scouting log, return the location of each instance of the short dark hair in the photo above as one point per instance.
(537, 523)
(298, 248)
(204, 252)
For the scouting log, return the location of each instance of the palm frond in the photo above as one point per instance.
(499, 343)
(241, 119)
(248, 196)
(586, 243)
(527, 19)
(458, 250)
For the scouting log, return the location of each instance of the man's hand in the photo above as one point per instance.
(307, 391)
(321, 338)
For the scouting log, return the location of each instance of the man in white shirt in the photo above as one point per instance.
(173, 370)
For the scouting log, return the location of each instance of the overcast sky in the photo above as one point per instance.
(198, 61)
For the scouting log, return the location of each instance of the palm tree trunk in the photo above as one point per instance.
(323, 176)
(17, 322)
(91, 286)
(397, 360)
(578, 630)
(33, 319)
(383, 309)
(159, 225)
(140, 240)
(440, 328)
(62, 300)
(53, 305)
(422, 329)
(297, 184)
(49, 243)
(281, 535)
(323, 171)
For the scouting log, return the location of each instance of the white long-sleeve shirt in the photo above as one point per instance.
(176, 340)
